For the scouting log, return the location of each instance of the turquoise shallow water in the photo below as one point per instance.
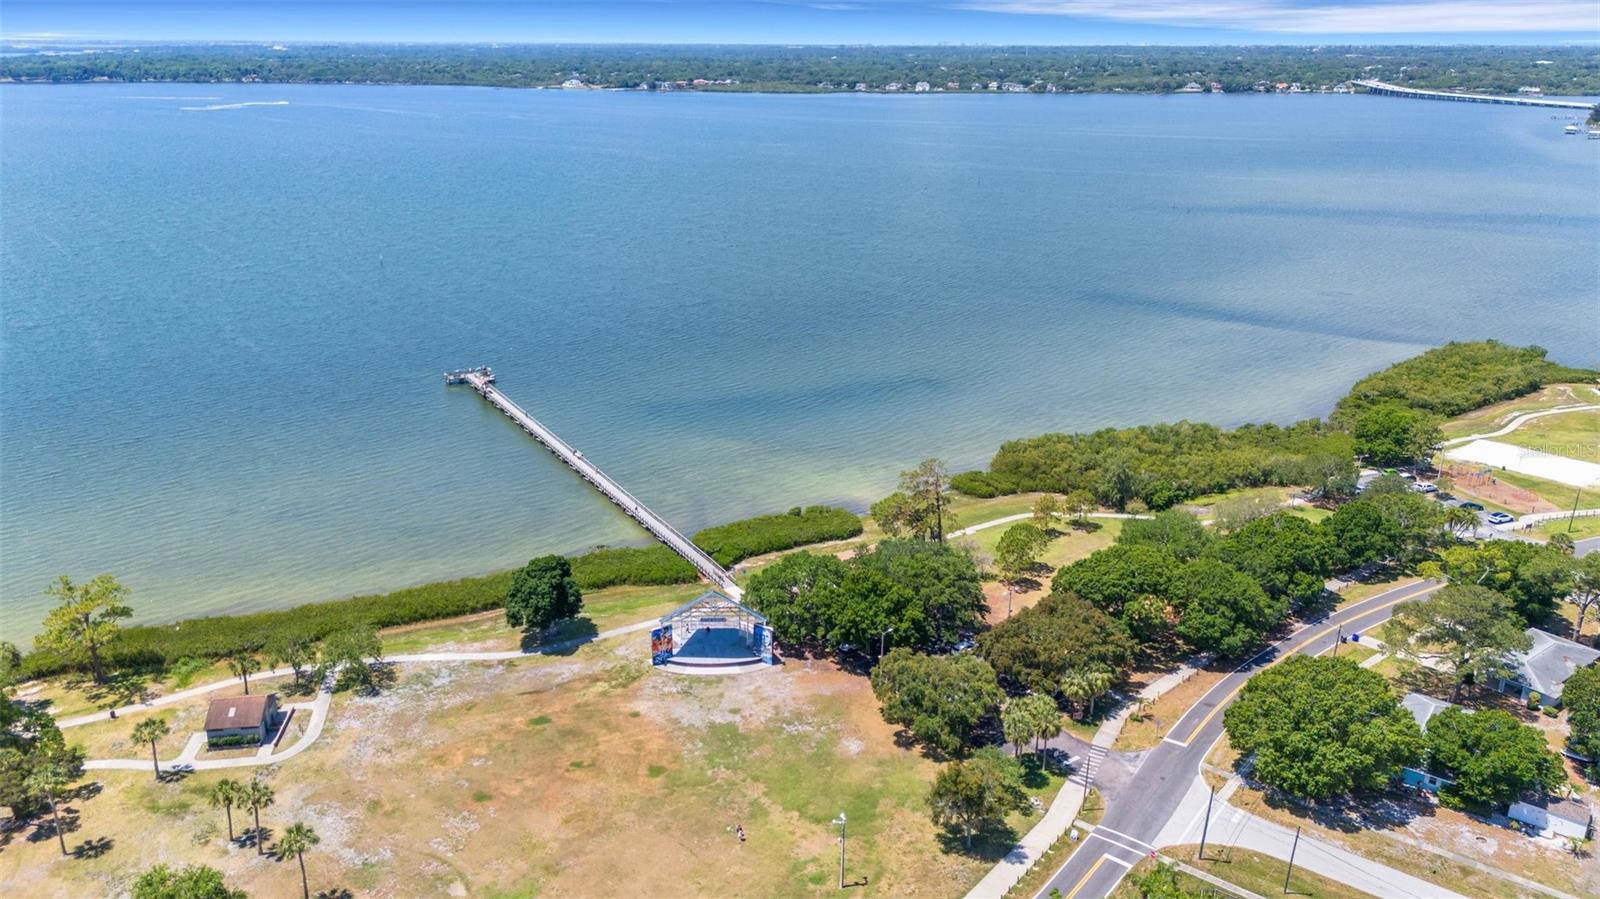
(223, 328)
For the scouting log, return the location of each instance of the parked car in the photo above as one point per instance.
(1425, 487)
(1473, 507)
(1500, 518)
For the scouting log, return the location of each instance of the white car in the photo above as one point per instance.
(1425, 487)
(1499, 518)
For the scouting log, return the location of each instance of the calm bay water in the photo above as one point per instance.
(223, 328)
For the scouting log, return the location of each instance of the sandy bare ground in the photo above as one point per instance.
(1562, 470)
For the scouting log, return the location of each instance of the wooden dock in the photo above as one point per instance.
(482, 380)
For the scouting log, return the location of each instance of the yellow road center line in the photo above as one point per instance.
(1072, 894)
(1229, 698)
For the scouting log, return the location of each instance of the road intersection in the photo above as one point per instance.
(1143, 809)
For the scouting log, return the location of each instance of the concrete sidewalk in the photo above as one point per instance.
(1069, 801)
(1233, 827)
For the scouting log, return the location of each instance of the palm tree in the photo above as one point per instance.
(243, 665)
(150, 731)
(257, 796)
(49, 773)
(1098, 680)
(1045, 716)
(1075, 685)
(1563, 541)
(296, 840)
(1016, 724)
(1460, 521)
(225, 794)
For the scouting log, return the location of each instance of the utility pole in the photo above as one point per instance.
(1292, 850)
(840, 823)
(1571, 519)
(1206, 828)
(1338, 638)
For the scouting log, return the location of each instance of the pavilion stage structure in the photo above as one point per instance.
(712, 634)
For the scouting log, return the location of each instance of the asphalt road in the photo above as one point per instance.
(1142, 808)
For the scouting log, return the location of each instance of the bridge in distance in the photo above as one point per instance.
(1395, 90)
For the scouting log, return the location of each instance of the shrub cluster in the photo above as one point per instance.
(637, 566)
(730, 543)
(160, 645)
(164, 645)
(1457, 378)
(1165, 464)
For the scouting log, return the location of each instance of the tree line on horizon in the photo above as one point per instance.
(1564, 70)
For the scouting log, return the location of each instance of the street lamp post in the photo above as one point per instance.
(881, 638)
(840, 821)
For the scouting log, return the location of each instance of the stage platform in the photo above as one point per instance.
(713, 651)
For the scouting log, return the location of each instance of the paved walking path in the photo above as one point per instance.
(1024, 516)
(401, 658)
(266, 755)
(1518, 421)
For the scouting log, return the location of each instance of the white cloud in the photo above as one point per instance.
(1332, 18)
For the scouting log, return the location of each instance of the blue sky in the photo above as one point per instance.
(812, 21)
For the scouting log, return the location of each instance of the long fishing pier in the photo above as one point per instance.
(481, 379)
(1395, 90)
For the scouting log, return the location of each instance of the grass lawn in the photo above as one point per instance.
(538, 775)
(1069, 545)
(1559, 495)
(1575, 435)
(74, 695)
(1355, 652)
(1386, 580)
(1263, 874)
(1310, 513)
(1568, 613)
(1220, 761)
(1189, 884)
(1144, 730)
(602, 610)
(1209, 501)
(1492, 418)
(1580, 529)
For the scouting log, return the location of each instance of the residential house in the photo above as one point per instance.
(1545, 667)
(1423, 708)
(1192, 87)
(1552, 817)
(922, 87)
(241, 720)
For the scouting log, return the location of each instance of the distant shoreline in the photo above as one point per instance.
(771, 91)
(1509, 71)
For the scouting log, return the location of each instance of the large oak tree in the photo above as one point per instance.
(1322, 727)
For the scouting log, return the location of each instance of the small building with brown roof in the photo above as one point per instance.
(241, 720)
